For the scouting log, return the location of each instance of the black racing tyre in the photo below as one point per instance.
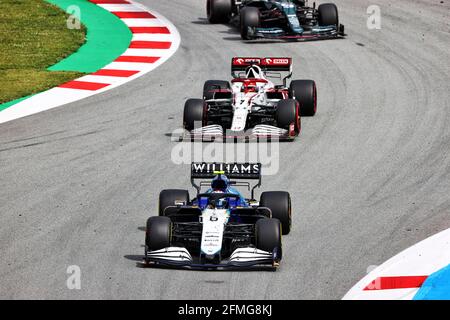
(328, 14)
(250, 18)
(214, 85)
(194, 113)
(219, 11)
(158, 233)
(268, 234)
(288, 112)
(168, 198)
(279, 202)
(305, 92)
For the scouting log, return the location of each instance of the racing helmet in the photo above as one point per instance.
(253, 71)
(221, 203)
(220, 183)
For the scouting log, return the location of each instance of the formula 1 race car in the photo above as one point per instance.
(219, 228)
(252, 106)
(277, 19)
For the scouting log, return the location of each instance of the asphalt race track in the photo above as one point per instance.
(369, 176)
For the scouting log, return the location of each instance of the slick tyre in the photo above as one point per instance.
(287, 113)
(305, 92)
(194, 114)
(168, 198)
(279, 202)
(328, 14)
(158, 233)
(250, 18)
(219, 11)
(211, 85)
(268, 234)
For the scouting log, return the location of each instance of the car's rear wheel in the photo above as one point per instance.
(219, 11)
(250, 18)
(328, 15)
(169, 197)
(279, 202)
(211, 85)
(268, 235)
(288, 113)
(194, 114)
(305, 92)
(158, 233)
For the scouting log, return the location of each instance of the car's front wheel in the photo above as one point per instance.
(158, 233)
(288, 113)
(194, 114)
(250, 18)
(328, 15)
(268, 235)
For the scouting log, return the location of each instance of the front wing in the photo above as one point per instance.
(241, 258)
(320, 33)
(259, 133)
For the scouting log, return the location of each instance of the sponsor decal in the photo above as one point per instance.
(277, 61)
(246, 61)
(242, 62)
(230, 168)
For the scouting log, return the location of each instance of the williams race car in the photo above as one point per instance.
(277, 19)
(219, 228)
(252, 106)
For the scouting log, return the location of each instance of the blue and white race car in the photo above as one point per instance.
(219, 228)
(277, 19)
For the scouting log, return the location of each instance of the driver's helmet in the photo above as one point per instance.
(222, 203)
(253, 72)
(220, 183)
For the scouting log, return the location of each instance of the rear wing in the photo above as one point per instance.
(268, 65)
(204, 170)
(245, 171)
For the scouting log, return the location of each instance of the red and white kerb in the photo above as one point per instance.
(152, 41)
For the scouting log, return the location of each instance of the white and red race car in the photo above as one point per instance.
(251, 106)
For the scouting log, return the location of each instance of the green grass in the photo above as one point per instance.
(33, 36)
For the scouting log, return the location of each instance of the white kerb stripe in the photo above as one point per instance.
(101, 79)
(143, 22)
(121, 7)
(152, 37)
(145, 52)
(128, 66)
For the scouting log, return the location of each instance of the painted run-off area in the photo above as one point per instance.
(34, 36)
(43, 64)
